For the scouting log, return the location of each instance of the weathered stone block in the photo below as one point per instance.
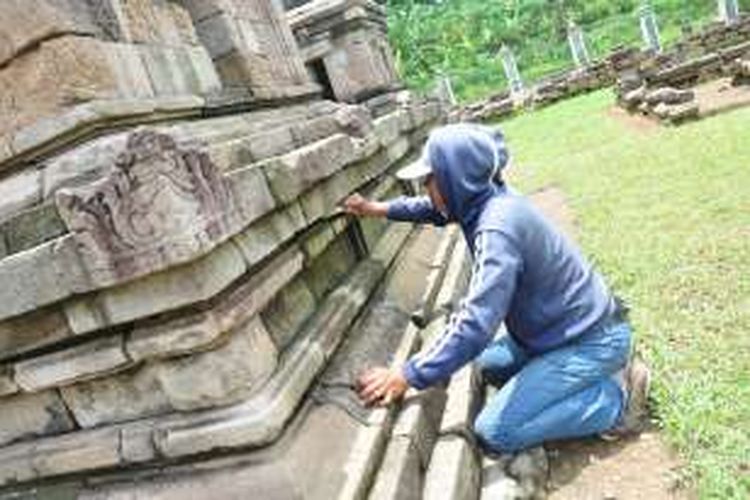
(183, 335)
(46, 130)
(220, 34)
(398, 149)
(453, 473)
(187, 70)
(388, 128)
(30, 415)
(274, 142)
(255, 422)
(31, 228)
(668, 95)
(355, 120)
(125, 396)
(164, 70)
(61, 455)
(229, 154)
(323, 199)
(419, 421)
(456, 279)
(330, 267)
(294, 173)
(75, 70)
(683, 112)
(315, 129)
(210, 131)
(373, 166)
(342, 306)
(136, 445)
(201, 9)
(8, 386)
(400, 476)
(203, 330)
(31, 22)
(183, 23)
(462, 403)
(205, 71)
(261, 418)
(367, 146)
(141, 19)
(31, 331)
(130, 71)
(83, 164)
(177, 287)
(31, 279)
(250, 194)
(236, 70)
(317, 239)
(288, 311)
(372, 229)
(223, 375)
(268, 233)
(166, 22)
(661, 110)
(82, 362)
(123, 230)
(19, 192)
(633, 98)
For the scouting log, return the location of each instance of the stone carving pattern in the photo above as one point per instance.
(162, 204)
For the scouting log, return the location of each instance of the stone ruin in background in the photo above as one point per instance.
(183, 306)
(646, 80)
(661, 85)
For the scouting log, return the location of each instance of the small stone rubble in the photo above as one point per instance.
(659, 85)
(593, 76)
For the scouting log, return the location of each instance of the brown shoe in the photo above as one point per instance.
(635, 418)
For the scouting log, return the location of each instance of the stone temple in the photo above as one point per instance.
(183, 306)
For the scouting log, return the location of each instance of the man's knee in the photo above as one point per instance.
(497, 434)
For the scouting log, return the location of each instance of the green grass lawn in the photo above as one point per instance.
(665, 213)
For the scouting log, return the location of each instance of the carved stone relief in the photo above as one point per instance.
(162, 204)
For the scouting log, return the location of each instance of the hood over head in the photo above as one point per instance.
(466, 160)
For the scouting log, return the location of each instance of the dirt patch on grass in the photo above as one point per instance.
(642, 467)
(719, 96)
(636, 122)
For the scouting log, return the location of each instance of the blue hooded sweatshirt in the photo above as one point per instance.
(525, 272)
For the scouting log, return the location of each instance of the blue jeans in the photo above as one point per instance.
(563, 393)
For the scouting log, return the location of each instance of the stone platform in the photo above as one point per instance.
(176, 271)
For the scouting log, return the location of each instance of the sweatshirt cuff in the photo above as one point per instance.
(413, 377)
(394, 210)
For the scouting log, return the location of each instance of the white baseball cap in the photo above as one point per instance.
(492, 138)
(417, 169)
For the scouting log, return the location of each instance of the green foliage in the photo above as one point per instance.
(461, 38)
(665, 213)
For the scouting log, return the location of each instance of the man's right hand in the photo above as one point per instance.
(356, 204)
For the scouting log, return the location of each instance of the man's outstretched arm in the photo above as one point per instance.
(402, 209)
(497, 264)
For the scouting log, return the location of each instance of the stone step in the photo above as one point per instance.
(255, 422)
(423, 457)
(350, 445)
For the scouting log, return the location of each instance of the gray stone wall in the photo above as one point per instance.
(175, 267)
(349, 38)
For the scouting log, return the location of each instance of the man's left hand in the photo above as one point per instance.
(381, 386)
